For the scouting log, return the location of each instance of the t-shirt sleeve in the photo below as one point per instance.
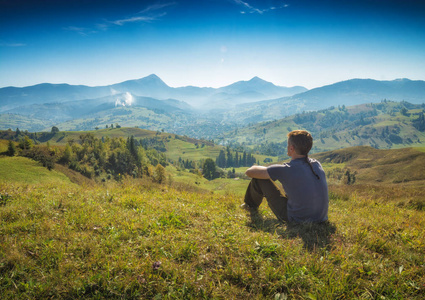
(276, 172)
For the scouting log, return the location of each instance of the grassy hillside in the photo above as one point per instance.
(374, 166)
(128, 117)
(188, 238)
(25, 170)
(383, 125)
(14, 121)
(174, 146)
(3, 145)
(138, 240)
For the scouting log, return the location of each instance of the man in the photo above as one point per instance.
(303, 181)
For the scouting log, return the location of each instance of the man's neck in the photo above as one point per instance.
(295, 156)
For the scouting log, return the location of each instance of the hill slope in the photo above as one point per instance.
(381, 125)
(374, 165)
(138, 240)
(348, 93)
(25, 170)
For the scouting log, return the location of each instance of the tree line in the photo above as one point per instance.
(97, 157)
(230, 159)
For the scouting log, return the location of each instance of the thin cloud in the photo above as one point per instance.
(80, 30)
(157, 6)
(146, 19)
(251, 9)
(12, 44)
(248, 6)
(149, 14)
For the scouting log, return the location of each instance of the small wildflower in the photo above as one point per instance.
(141, 279)
(156, 265)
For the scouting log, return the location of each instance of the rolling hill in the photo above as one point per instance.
(381, 125)
(376, 165)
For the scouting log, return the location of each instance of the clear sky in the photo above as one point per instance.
(210, 42)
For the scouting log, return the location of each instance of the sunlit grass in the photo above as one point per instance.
(140, 240)
(25, 170)
(178, 148)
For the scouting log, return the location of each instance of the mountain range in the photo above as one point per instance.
(151, 86)
(201, 111)
(350, 92)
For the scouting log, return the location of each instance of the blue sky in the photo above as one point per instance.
(210, 42)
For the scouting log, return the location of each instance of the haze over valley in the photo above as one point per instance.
(207, 113)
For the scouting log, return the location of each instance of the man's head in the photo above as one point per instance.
(299, 141)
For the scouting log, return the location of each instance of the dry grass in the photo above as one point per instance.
(137, 240)
(373, 165)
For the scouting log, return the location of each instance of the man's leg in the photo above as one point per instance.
(259, 188)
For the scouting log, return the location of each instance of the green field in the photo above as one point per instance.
(3, 145)
(189, 239)
(139, 240)
(223, 186)
(25, 170)
(179, 148)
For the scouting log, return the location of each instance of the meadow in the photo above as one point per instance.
(136, 239)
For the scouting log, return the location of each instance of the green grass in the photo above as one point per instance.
(374, 166)
(137, 240)
(3, 145)
(222, 186)
(62, 137)
(188, 238)
(178, 148)
(422, 149)
(25, 170)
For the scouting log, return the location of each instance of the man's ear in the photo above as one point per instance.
(291, 147)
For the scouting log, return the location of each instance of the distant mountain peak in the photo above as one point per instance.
(256, 78)
(150, 80)
(153, 76)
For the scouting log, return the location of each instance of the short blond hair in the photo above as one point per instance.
(301, 140)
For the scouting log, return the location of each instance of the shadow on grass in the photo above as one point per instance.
(314, 235)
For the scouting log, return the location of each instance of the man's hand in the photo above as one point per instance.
(258, 172)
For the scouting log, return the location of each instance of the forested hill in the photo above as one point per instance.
(381, 125)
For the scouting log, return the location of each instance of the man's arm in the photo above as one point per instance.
(258, 172)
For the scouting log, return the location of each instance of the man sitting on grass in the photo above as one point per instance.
(303, 181)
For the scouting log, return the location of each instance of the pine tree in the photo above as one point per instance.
(221, 159)
(229, 162)
(11, 148)
(208, 169)
(236, 160)
(26, 143)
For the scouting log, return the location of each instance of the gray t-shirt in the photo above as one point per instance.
(308, 198)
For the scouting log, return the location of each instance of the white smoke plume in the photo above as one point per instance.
(124, 100)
